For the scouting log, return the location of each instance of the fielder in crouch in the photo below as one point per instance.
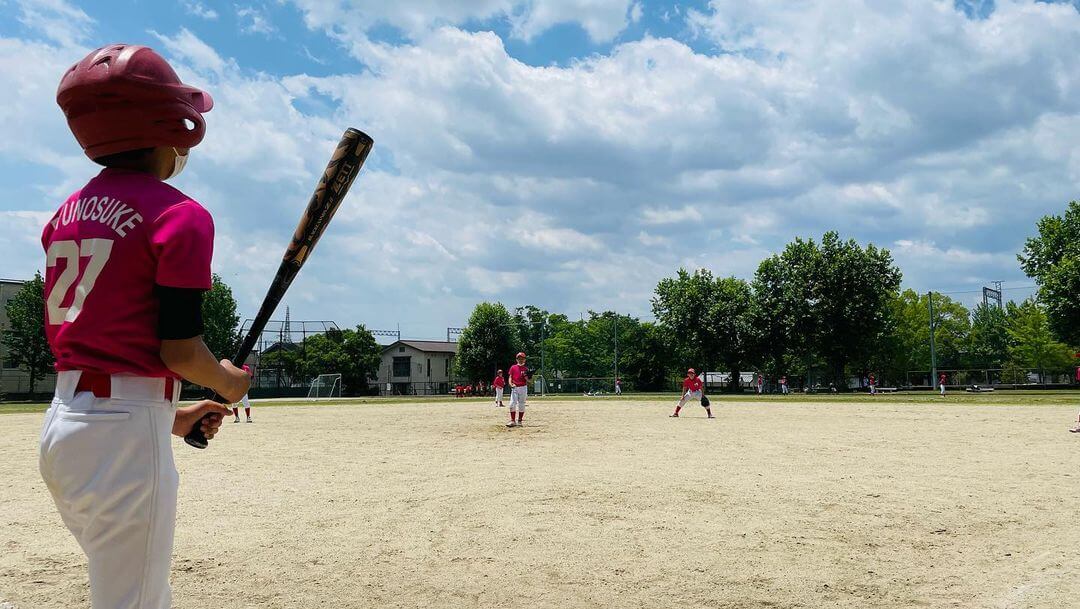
(127, 262)
(692, 390)
(498, 384)
(519, 390)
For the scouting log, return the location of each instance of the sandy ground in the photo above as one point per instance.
(597, 504)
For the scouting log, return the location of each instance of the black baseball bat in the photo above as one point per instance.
(349, 157)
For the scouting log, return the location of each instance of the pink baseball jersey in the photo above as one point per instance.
(106, 247)
(517, 375)
(498, 382)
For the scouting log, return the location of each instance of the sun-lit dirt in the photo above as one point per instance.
(597, 504)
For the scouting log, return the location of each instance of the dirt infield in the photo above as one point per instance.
(597, 504)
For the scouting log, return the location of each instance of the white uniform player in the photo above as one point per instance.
(127, 260)
(519, 391)
(498, 383)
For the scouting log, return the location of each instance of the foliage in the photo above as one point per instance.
(27, 345)
(783, 306)
(988, 343)
(1053, 260)
(352, 353)
(1033, 344)
(908, 342)
(221, 331)
(853, 289)
(488, 342)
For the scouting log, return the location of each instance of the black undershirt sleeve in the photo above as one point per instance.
(180, 312)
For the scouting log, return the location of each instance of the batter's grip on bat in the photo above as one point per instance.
(196, 437)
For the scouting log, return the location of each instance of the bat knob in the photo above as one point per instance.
(196, 437)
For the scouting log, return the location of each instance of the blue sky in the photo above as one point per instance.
(570, 153)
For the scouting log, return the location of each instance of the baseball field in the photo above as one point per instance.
(807, 502)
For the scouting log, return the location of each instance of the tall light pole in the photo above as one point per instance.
(933, 353)
(616, 349)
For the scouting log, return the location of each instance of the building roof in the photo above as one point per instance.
(428, 346)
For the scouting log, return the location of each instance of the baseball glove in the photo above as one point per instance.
(705, 401)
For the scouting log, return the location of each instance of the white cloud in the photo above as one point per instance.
(665, 215)
(189, 47)
(199, 10)
(575, 187)
(601, 19)
(57, 20)
(254, 20)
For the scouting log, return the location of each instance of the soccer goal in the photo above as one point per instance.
(325, 386)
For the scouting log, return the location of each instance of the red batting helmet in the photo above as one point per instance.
(125, 97)
(520, 355)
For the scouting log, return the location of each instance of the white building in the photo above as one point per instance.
(416, 367)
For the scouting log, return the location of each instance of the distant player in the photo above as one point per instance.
(127, 263)
(783, 385)
(760, 383)
(873, 384)
(247, 404)
(941, 383)
(692, 390)
(519, 390)
(498, 384)
(618, 386)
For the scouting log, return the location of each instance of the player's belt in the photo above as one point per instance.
(101, 385)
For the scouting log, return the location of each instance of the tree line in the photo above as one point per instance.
(817, 311)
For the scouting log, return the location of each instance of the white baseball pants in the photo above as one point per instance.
(517, 398)
(498, 394)
(108, 464)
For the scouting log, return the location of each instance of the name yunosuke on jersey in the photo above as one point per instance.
(106, 247)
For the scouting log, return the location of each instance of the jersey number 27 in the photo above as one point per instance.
(98, 251)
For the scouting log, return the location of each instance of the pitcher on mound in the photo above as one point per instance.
(519, 390)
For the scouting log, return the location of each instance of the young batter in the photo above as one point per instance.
(519, 390)
(498, 384)
(692, 390)
(128, 258)
(245, 401)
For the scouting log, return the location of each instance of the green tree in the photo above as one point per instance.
(221, 331)
(1053, 260)
(732, 324)
(708, 317)
(783, 305)
(853, 290)
(645, 361)
(27, 346)
(988, 345)
(487, 343)
(908, 340)
(353, 353)
(1033, 344)
(681, 305)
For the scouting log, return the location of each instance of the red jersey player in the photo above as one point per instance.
(244, 400)
(693, 389)
(519, 391)
(498, 384)
(127, 261)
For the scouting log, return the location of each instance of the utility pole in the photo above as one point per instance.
(543, 379)
(616, 347)
(933, 353)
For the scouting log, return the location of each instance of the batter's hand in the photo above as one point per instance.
(238, 383)
(188, 416)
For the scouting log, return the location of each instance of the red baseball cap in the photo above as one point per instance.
(690, 371)
(520, 355)
(124, 97)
